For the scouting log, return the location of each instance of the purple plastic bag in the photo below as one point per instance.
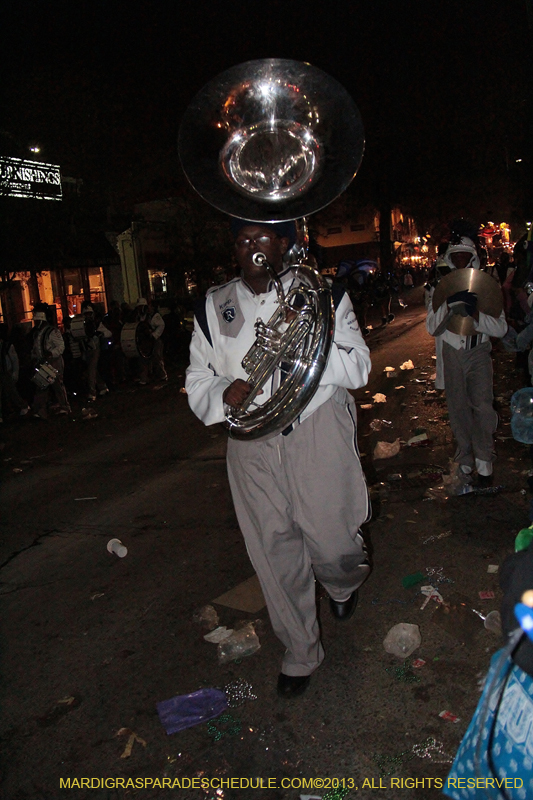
(187, 710)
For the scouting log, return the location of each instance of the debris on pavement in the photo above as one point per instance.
(492, 568)
(88, 413)
(387, 449)
(486, 595)
(492, 621)
(241, 643)
(418, 663)
(85, 498)
(207, 617)
(226, 725)
(115, 546)
(187, 710)
(402, 640)
(436, 537)
(449, 717)
(421, 437)
(238, 692)
(218, 634)
(403, 674)
(429, 748)
(379, 398)
(412, 580)
(431, 594)
(132, 738)
(407, 365)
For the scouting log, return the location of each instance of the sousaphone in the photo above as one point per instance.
(271, 141)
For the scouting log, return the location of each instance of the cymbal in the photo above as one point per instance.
(489, 297)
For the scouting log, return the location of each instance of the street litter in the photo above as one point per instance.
(98, 594)
(437, 536)
(367, 406)
(377, 424)
(407, 365)
(242, 642)
(387, 449)
(115, 546)
(431, 594)
(421, 437)
(238, 692)
(229, 727)
(183, 390)
(389, 369)
(447, 715)
(418, 663)
(218, 635)
(391, 374)
(88, 413)
(17, 469)
(85, 498)
(403, 673)
(207, 617)
(131, 741)
(399, 387)
(492, 568)
(187, 710)
(492, 621)
(402, 639)
(486, 595)
(412, 580)
(379, 398)
(429, 748)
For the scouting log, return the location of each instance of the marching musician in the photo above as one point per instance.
(48, 346)
(150, 316)
(467, 367)
(300, 496)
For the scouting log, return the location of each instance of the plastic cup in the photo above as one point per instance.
(115, 546)
(493, 622)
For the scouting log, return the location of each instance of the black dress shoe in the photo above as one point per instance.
(292, 685)
(343, 611)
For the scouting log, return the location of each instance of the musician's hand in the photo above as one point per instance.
(236, 393)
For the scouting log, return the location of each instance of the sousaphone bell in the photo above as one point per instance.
(271, 141)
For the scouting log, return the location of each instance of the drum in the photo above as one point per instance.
(44, 375)
(136, 340)
(77, 327)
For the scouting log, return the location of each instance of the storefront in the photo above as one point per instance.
(64, 288)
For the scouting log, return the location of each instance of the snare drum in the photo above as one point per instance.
(136, 340)
(44, 375)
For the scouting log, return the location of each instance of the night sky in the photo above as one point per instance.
(444, 88)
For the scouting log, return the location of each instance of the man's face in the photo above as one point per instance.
(255, 238)
(461, 259)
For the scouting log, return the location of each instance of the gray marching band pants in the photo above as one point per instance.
(300, 500)
(469, 397)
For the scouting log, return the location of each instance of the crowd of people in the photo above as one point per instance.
(42, 370)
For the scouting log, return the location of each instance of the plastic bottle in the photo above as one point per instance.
(115, 546)
(402, 640)
(241, 643)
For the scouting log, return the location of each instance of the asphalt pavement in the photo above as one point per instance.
(93, 642)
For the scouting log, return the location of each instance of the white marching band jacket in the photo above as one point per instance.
(224, 332)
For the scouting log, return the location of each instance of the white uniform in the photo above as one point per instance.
(467, 380)
(300, 498)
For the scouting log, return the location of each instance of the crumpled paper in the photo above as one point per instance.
(379, 398)
(407, 365)
(386, 449)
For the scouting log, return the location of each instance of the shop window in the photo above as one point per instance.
(158, 283)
